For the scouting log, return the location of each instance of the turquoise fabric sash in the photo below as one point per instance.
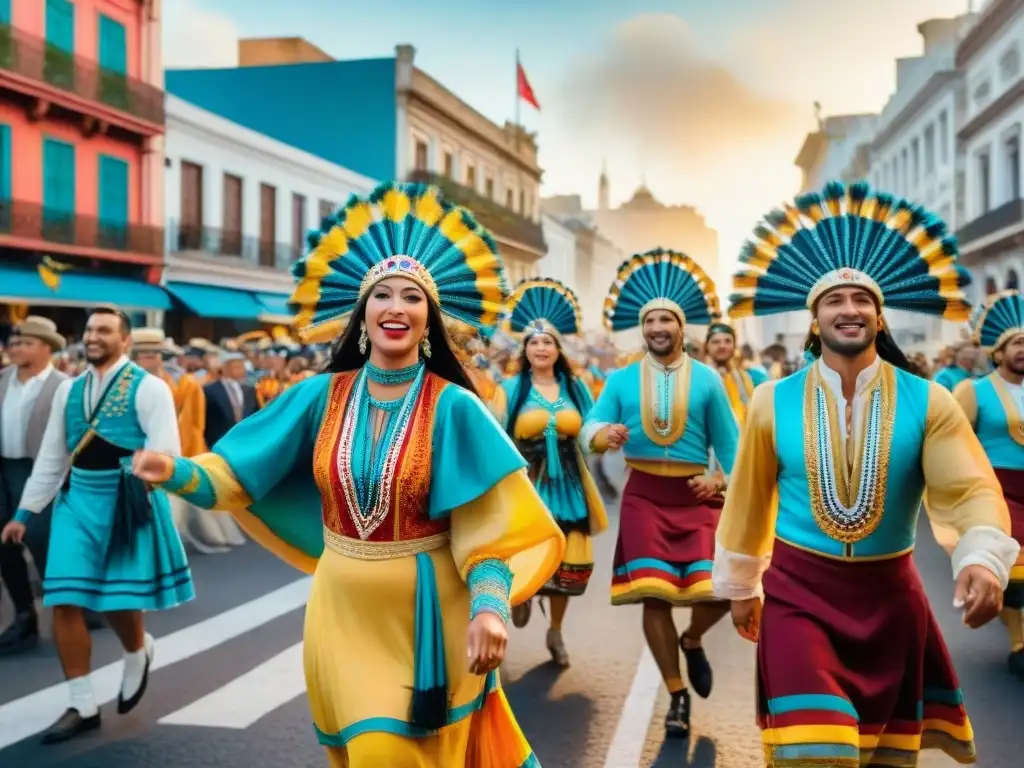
(430, 671)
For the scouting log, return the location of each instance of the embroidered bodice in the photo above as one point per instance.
(1000, 420)
(847, 505)
(378, 489)
(116, 421)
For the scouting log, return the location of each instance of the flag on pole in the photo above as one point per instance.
(525, 91)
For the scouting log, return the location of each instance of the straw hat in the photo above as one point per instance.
(149, 340)
(41, 328)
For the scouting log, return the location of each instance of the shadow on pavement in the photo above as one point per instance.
(675, 753)
(561, 725)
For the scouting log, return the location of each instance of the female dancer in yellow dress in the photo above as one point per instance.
(543, 408)
(429, 527)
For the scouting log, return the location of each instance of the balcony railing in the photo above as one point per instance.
(497, 218)
(34, 58)
(1006, 215)
(32, 221)
(249, 249)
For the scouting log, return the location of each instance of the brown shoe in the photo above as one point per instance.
(521, 614)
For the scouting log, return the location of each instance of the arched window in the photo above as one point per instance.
(1012, 281)
(990, 286)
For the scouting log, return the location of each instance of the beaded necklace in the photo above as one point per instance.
(368, 470)
(554, 465)
(389, 377)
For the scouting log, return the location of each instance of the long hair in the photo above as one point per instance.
(345, 354)
(884, 345)
(563, 372)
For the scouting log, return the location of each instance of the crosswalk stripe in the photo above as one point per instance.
(248, 698)
(31, 714)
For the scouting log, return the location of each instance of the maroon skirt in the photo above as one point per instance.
(1012, 481)
(666, 543)
(852, 667)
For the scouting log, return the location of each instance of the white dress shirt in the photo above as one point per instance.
(834, 383)
(17, 409)
(154, 408)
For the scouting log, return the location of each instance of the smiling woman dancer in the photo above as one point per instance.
(543, 409)
(430, 525)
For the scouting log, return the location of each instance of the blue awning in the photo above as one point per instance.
(274, 303)
(216, 302)
(80, 288)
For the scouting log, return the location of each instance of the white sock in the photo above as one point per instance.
(82, 697)
(135, 668)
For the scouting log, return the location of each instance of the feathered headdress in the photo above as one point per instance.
(660, 279)
(998, 320)
(399, 230)
(543, 305)
(895, 249)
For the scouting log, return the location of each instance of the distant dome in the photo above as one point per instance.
(643, 198)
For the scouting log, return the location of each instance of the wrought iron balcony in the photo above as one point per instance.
(31, 225)
(31, 57)
(500, 220)
(1006, 215)
(230, 244)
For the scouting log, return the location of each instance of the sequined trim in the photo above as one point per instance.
(664, 423)
(848, 508)
(381, 550)
(1014, 424)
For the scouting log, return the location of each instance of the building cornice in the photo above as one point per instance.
(926, 94)
(993, 20)
(1010, 98)
(214, 129)
(228, 273)
(480, 128)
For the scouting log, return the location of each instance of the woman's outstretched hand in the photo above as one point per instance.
(486, 643)
(152, 467)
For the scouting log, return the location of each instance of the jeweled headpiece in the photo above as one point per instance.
(399, 230)
(660, 279)
(998, 319)
(542, 305)
(899, 252)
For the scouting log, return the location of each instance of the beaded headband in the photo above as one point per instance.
(400, 266)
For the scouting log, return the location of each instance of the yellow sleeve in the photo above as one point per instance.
(511, 523)
(192, 417)
(967, 399)
(747, 525)
(962, 490)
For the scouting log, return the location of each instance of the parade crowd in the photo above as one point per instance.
(427, 440)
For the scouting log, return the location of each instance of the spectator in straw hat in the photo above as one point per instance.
(27, 389)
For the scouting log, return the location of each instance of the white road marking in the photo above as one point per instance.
(628, 742)
(246, 699)
(35, 712)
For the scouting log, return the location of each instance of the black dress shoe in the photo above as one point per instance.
(70, 725)
(124, 706)
(698, 669)
(22, 635)
(677, 720)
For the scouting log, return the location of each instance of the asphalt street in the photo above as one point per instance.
(227, 687)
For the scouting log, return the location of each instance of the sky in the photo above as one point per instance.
(707, 102)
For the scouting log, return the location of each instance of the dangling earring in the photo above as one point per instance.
(815, 329)
(425, 346)
(364, 339)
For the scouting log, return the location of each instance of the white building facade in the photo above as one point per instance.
(238, 207)
(991, 232)
(559, 263)
(913, 154)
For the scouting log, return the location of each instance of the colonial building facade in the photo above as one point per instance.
(239, 205)
(81, 157)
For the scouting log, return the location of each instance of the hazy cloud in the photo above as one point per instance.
(651, 86)
(197, 37)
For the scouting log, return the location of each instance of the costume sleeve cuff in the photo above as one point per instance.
(23, 516)
(988, 547)
(736, 576)
(587, 435)
(490, 583)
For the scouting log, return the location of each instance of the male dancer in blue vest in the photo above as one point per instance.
(97, 422)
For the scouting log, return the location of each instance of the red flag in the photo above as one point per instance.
(525, 91)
